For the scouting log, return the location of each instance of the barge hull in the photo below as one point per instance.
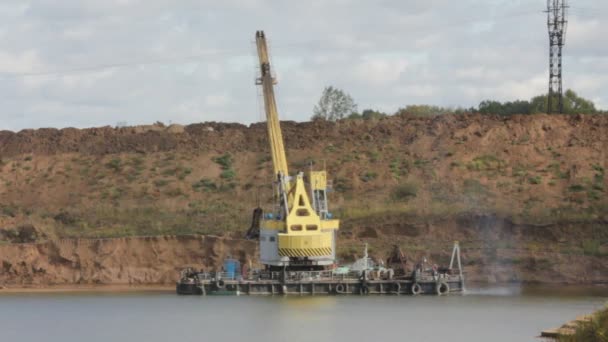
(333, 287)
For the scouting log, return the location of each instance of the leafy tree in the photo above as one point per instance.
(490, 107)
(370, 114)
(508, 108)
(426, 110)
(539, 104)
(333, 105)
(573, 104)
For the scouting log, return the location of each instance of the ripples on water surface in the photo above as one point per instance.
(484, 314)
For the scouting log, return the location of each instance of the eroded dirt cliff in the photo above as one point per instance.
(117, 261)
(417, 182)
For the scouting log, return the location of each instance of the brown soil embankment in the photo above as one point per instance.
(493, 250)
(525, 195)
(119, 261)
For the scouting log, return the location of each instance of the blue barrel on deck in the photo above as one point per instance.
(232, 268)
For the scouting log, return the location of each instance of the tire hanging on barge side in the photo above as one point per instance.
(416, 289)
(442, 288)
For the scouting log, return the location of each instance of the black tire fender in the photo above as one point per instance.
(416, 289)
(220, 284)
(442, 288)
(340, 288)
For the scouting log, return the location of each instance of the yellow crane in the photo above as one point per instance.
(301, 233)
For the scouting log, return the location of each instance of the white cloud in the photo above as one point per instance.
(217, 100)
(20, 62)
(194, 60)
(380, 70)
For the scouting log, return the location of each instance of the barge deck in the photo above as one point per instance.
(315, 284)
(361, 278)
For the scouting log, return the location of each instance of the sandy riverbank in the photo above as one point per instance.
(89, 288)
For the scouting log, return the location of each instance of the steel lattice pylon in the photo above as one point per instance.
(557, 24)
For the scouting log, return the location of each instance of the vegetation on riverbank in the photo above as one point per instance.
(594, 330)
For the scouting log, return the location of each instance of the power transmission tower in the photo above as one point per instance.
(557, 23)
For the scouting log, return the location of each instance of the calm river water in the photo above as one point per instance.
(496, 314)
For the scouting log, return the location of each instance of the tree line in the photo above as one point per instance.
(335, 104)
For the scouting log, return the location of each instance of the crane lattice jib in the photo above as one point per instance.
(275, 136)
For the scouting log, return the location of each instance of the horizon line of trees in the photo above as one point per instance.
(335, 104)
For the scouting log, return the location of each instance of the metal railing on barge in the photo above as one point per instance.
(320, 276)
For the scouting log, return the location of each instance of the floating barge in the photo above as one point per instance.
(369, 281)
(317, 283)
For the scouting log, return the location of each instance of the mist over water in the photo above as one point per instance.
(514, 290)
(482, 314)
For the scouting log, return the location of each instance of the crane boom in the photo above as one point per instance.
(277, 150)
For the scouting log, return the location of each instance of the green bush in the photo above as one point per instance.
(594, 195)
(161, 182)
(373, 156)
(264, 159)
(399, 168)
(474, 187)
(591, 247)
(598, 168)
(421, 163)
(486, 163)
(175, 192)
(138, 163)
(9, 210)
(535, 180)
(114, 164)
(204, 184)
(576, 188)
(179, 171)
(595, 330)
(228, 174)
(342, 184)
(404, 192)
(368, 176)
(224, 161)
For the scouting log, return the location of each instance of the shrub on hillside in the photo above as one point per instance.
(404, 192)
(224, 161)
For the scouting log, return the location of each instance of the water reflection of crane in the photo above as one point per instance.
(300, 233)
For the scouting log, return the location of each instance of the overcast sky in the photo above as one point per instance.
(86, 63)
